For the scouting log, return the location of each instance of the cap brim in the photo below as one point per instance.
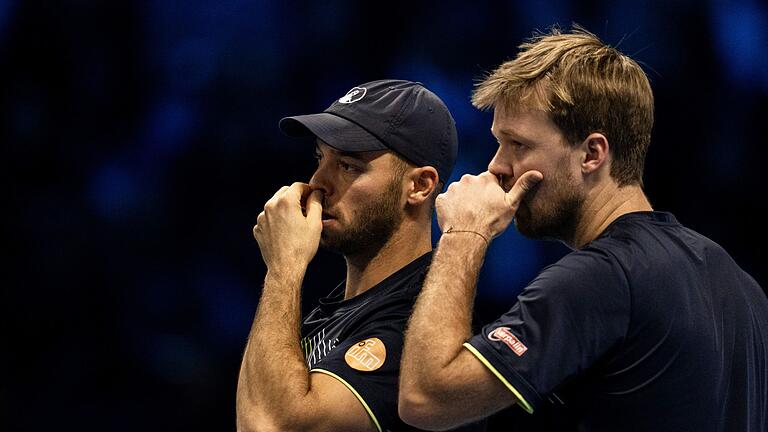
(335, 131)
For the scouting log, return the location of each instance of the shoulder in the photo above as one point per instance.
(583, 279)
(596, 262)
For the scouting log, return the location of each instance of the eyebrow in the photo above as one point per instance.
(512, 135)
(507, 132)
(352, 155)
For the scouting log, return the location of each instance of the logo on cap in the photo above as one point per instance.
(354, 95)
(366, 355)
(502, 334)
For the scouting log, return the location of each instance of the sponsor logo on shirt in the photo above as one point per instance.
(502, 334)
(366, 355)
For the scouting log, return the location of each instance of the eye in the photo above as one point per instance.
(346, 166)
(318, 157)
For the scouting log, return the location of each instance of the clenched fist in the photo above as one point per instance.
(288, 236)
(479, 203)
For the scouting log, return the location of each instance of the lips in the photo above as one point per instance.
(328, 219)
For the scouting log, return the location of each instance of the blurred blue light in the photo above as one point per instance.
(168, 128)
(197, 41)
(543, 14)
(635, 30)
(228, 303)
(511, 263)
(741, 32)
(6, 10)
(115, 192)
(192, 62)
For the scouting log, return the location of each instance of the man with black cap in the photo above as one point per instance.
(384, 150)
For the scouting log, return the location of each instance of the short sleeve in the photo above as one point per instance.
(368, 363)
(568, 317)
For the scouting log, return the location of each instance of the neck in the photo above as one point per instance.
(604, 205)
(408, 242)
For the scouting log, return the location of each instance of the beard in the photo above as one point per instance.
(371, 226)
(555, 218)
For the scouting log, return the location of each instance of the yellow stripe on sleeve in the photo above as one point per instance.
(520, 399)
(357, 395)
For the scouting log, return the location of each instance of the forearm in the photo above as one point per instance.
(442, 318)
(442, 385)
(273, 374)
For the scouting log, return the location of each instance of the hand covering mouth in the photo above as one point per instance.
(503, 183)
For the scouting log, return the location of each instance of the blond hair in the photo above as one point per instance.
(585, 86)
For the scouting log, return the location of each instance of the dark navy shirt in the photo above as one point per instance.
(650, 327)
(359, 341)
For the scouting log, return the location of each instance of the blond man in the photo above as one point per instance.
(645, 326)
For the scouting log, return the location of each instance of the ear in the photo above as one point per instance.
(596, 155)
(423, 181)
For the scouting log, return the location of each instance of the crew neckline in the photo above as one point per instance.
(335, 299)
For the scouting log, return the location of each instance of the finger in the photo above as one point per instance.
(315, 205)
(298, 190)
(522, 186)
(490, 178)
(486, 175)
(277, 194)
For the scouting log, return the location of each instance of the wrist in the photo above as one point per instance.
(468, 234)
(485, 237)
(286, 275)
(461, 242)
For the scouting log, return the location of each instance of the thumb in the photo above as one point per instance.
(522, 186)
(315, 205)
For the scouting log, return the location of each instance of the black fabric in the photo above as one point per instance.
(382, 312)
(650, 327)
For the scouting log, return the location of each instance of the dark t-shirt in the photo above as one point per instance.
(359, 341)
(650, 327)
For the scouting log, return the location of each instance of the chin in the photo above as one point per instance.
(524, 228)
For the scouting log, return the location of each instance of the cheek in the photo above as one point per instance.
(547, 192)
(350, 203)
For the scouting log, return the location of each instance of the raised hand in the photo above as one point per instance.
(479, 204)
(289, 238)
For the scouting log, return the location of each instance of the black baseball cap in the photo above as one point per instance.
(397, 115)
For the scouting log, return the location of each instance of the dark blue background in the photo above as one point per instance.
(140, 141)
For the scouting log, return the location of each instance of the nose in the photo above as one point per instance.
(501, 165)
(320, 181)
